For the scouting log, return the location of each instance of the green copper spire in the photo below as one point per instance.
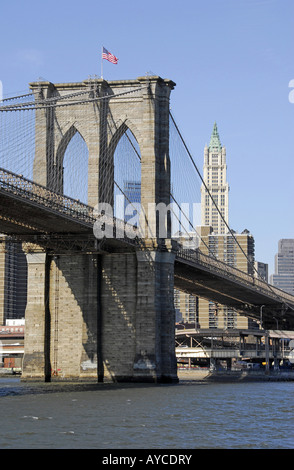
(214, 140)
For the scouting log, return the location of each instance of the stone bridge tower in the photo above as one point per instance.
(103, 315)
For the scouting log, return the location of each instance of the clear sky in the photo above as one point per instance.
(232, 61)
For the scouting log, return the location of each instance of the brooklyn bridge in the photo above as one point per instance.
(103, 264)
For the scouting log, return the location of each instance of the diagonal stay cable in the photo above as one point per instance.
(222, 217)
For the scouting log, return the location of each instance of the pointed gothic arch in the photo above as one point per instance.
(126, 155)
(70, 168)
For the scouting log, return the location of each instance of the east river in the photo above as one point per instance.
(188, 415)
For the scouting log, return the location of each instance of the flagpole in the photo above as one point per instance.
(102, 62)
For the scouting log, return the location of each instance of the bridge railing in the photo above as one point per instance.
(219, 267)
(36, 193)
(22, 187)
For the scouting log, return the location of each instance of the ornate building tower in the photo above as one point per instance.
(215, 177)
(218, 240)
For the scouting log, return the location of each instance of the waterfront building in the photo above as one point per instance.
(283, 278)
(12, 345)
(186, 306)
(13, 280)
(230, 250)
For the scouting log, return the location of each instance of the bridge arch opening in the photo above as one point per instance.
(72, 160)
(127, 175)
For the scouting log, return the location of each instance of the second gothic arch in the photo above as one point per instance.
(63, 144)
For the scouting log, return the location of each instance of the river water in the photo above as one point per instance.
(188, 415)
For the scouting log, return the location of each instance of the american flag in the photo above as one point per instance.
(108, 56)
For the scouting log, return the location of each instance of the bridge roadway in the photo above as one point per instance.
(32, 213)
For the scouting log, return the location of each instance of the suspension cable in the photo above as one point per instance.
(16, 97)
(52, 102)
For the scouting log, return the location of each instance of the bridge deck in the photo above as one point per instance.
(28, 209)
(199, 274)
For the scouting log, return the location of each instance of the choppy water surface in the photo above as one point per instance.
(188, 415)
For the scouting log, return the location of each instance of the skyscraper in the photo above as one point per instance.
(215, 178)
(216, 239)
(231, 251)
(284, 266)
(132, 193)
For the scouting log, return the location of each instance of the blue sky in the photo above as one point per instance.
(232, 61)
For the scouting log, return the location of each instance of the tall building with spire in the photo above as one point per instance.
(216, 239)
(215, 178)
(234, 249)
